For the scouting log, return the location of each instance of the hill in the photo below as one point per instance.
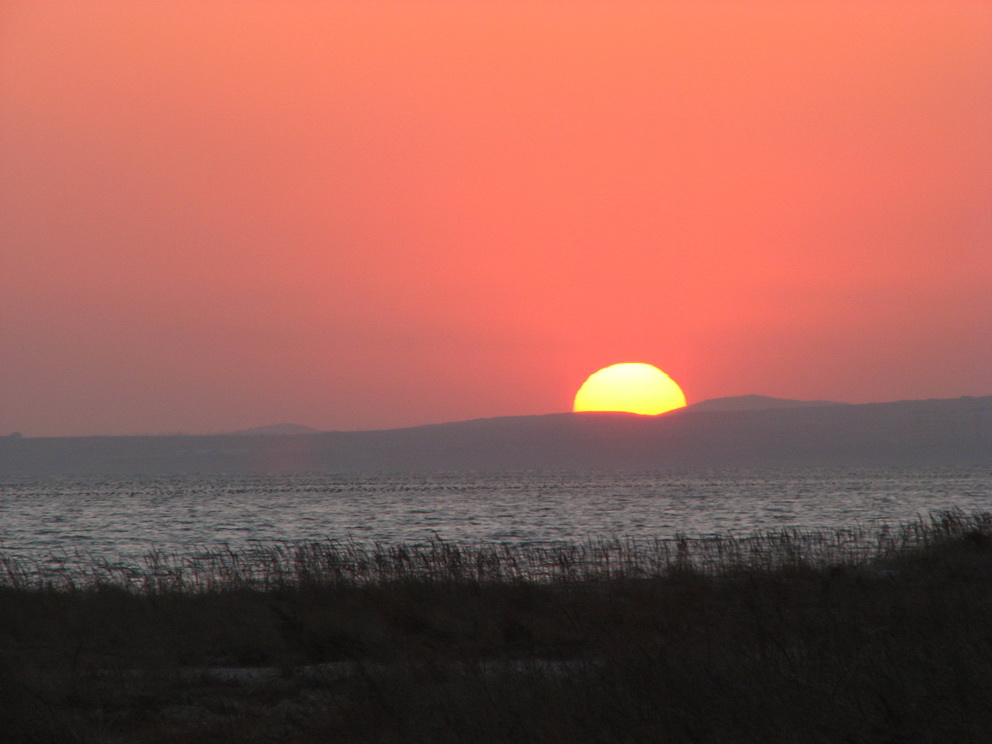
(275, 430)
(931, 433)
(756, 403)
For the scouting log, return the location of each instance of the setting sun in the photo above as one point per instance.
(631, 388)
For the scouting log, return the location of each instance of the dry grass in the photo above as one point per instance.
(850, 635)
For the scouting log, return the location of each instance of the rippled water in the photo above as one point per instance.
(128, 517)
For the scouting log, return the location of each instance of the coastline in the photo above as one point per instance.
(782, 642)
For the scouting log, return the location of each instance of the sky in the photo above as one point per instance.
(367, 214)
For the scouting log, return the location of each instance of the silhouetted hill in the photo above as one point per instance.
(931, 433)
(275, 430)
(756, 403)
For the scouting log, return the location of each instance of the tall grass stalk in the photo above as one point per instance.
(349, 563)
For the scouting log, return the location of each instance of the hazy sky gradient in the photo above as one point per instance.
(375, 214)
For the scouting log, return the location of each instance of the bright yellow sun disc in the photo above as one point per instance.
(630, 387)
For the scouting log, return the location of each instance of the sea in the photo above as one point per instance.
(124, 519)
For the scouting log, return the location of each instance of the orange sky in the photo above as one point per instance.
(373, 214)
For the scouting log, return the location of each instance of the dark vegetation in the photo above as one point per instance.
(847, 636)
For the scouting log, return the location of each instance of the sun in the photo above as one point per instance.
(629, 387)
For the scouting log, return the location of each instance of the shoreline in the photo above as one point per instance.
(783, 646)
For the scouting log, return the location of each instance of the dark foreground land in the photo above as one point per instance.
(839, 637)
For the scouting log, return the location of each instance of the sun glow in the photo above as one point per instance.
(629, 387)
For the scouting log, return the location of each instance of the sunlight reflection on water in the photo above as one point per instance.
(128, 517)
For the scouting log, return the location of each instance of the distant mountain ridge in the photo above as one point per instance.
(756, 403)
(924, 433)
(274, 430)
(732, 403)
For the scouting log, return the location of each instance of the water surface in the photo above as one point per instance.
(128, 517)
